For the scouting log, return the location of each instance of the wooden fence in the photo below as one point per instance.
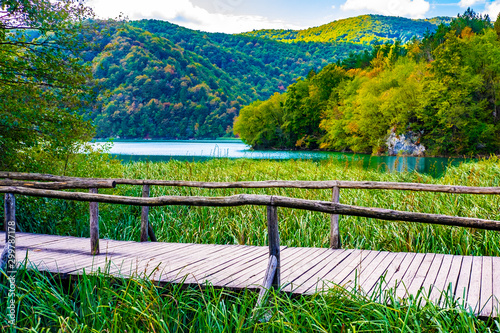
(39, 185)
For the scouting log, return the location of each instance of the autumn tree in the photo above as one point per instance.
(44, 84)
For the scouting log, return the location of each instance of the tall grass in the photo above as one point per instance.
(102, 303)
(247, 225)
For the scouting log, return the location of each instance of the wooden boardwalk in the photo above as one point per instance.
(303, 270)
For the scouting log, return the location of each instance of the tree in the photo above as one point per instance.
(44, 84)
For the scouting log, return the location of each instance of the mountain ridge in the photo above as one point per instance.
(370, 28)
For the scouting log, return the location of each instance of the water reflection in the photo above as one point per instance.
(157, 151)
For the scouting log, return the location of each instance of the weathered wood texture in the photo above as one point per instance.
(474, 280)
(264, 200)
(274, 242)
(9, 210)
(62, 185)
(94, 224)
(268, 280)
(334, 222)
(145, 215)
(271, 184)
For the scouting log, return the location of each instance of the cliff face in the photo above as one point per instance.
(405, 144)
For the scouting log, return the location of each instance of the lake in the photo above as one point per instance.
(197, 150)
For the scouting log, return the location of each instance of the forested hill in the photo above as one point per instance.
(364, 30)
(160, 80)
(435, 96)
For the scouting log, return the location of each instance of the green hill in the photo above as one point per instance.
(365, 30)
(160, 80)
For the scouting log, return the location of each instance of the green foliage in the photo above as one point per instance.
(160, 80)
(364, 30)
(43, 83)
(260, 123)
(101, 303)
(444, 89)
(496, 26)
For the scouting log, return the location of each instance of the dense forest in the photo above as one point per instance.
(364, 29)
(160, 80)
(435, 96)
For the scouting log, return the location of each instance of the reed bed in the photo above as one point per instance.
(101, 303)
(247, 225)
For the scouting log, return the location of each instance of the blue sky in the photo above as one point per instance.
(232, 16)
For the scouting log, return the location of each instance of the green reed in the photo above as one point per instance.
(100, 302)
(103, 303)
(247, 224)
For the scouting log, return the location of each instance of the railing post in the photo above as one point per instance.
(144, 215)
(272, 275)
(274, 241)
(146, 228)
(94, 225)
(334, 222)
(9, 211)
(7, 263)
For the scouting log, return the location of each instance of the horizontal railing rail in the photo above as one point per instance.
(328, 184)
(262, 200)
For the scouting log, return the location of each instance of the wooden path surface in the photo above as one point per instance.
(475, 280)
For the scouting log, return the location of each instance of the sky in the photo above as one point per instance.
(233, 16)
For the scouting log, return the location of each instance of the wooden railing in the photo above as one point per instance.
(39, 185)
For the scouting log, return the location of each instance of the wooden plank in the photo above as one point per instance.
(393, 267)
(254, 277)
(335, 269)
(300, 263)
(309, 268)
(201, 271)
(422, 273)
(246, 267)
(187, 257)
(377, 269)
(486, 299)
(314, 283)
(406, 280)
(116, 253)
(244, 271)
(236, 266)
(464, 274)
(143, 263)
(366, 271)
(79, 258)
(350, 279)
(474, 291)
(496, 286)
(441, 281)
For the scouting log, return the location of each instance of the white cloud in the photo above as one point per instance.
(492, 9)
(469, 3)
(407, 8)
(184, 13)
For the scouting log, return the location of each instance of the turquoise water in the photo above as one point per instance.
(196, 150)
